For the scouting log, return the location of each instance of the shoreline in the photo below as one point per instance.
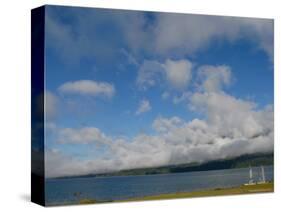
(267, 187)
(143, 175)
(243, 189)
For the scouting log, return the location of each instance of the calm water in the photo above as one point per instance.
(59, 191)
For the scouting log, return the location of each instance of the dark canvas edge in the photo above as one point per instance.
(37, 105)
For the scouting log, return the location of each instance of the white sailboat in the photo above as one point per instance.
(262, 178)
(251, 180)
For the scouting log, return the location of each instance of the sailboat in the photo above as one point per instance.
(251, 180)
(262, 178)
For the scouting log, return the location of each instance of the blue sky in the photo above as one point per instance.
(113, 76)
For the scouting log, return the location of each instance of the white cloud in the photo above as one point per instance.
(149, 74)
(81, 38)
(180, 34)
(214, 77)
(232, 128)
(229, 127)
(144, 106)
(51, 105)
(197, 32)
(178, 72)
(232, 117)
(59, 164)
(165, 125)
(88, 87)
(86, 135)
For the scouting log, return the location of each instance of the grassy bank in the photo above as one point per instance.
(243, 189)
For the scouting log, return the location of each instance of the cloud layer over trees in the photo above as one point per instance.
(231, 127)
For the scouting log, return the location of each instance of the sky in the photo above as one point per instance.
(132, 89)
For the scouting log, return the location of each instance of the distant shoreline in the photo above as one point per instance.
(244, 161)
(143, 175)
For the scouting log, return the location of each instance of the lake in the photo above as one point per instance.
(60, 191)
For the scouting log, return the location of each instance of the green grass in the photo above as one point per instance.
(243, 189)
(258, 188)
(87, 201)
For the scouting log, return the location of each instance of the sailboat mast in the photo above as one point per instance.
(251, 173)
(262, 174)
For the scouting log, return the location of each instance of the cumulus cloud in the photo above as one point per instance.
(214, 77)
(229, 127)
(58, 164)
(149, 74)
(233, 117)
(165, 125)
(86, 135)
(232, 128)
(196, 32)
(177, 73)
(88, 87)
(144, 106)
